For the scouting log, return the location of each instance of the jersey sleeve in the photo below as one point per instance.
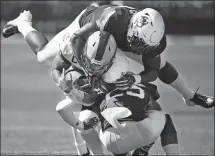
(66, 53)
(151, 63)
(114, 19)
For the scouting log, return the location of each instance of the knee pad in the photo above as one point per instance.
(168, 74)
(63, 104)
(169, 133)
(85, 116)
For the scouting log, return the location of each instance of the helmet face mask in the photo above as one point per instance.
(93, 68)
(138, 46)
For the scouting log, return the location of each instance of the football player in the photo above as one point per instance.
(46, 51)
(142, 33)
(104, 64)
(138, 32)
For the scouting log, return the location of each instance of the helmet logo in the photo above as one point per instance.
(141, 21)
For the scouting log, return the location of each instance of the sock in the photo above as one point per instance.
(35, 39)
(79, 142)
(25, 27)
(169, 75)
(181, 86)
(171, 149)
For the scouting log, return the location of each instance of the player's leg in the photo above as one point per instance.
(139, 134)
(91, 136)
(168, 74)
(169, 138)
(69, 110)
(45, 51)
(63, 109)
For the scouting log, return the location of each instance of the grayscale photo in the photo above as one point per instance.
(120, 78)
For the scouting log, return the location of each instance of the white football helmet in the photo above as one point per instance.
(99, 52)
(146, 28)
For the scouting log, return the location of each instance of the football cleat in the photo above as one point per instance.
(140, 152)
(143, 151)
(203, 100)
(86, 154)
(11, 27)
(9, 30)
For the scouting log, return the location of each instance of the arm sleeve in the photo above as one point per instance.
(152, 66)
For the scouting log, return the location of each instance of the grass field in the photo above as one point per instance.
(30, 125)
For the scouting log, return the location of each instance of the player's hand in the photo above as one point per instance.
(98, 84)
(125, 82)
(82, 84)
(65, 82)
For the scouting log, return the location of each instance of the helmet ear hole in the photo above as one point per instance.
(109, 48)
(94, 44)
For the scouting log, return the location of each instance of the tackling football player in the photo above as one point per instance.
(105, 64)
(140, 32)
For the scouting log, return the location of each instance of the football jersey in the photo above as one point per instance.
(67, 54)
(136, 99)
(115, 20)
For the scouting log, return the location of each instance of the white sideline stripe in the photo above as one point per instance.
(55, 128)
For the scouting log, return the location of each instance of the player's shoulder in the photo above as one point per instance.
(66, 53)
(65, 46)
(116, 14)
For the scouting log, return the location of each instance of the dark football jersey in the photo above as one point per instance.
(115, 20)
(137, 100)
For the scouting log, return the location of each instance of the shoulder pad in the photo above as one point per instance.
(65, 48)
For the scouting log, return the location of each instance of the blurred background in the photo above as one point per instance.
(196, 17)
(29, 122)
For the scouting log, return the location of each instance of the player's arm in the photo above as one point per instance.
(151, 72)
(79, 39)
(59, 66)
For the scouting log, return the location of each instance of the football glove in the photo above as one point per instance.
(98, 84)
(82, 84)
(125, 82)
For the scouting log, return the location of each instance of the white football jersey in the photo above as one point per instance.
(121, 65)
(67, 53)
